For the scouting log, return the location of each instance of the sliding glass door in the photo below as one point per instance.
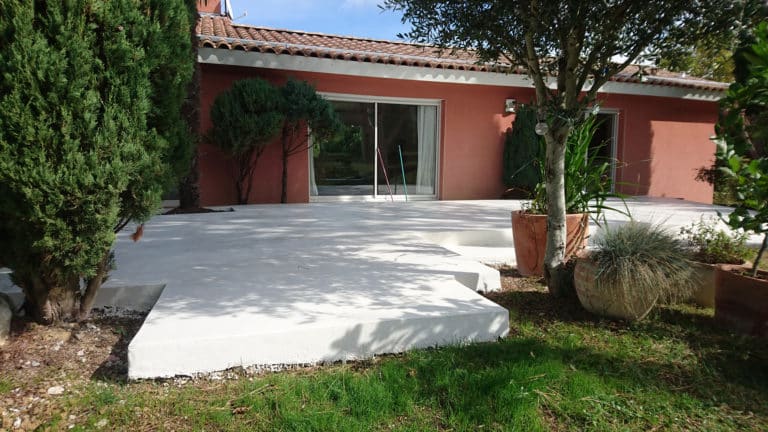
(387, 149)
(344, 165)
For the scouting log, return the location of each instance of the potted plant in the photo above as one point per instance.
(741, 292)
(587, 186)
(631, 269)
(712, 246)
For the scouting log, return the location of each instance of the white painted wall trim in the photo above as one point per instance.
(219, 56)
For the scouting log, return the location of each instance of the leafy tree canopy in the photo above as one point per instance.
(704, 47)
(743, 129)
(570, 48)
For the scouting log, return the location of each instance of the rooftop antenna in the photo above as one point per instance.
(228, 7)
(245, 14)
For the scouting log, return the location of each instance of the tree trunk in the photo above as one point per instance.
(284, 191)
(284, 188)
(48, 304)
(92, 287)
(189, 193)
(555, 272)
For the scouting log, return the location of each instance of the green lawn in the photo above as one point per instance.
(559, 369)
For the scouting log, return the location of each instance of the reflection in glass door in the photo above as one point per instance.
(390, 145)
(344, 165)
(407, 141)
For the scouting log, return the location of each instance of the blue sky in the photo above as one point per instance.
(361, 18)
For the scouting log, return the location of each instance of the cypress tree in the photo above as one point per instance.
(522, 152)
(81, 149)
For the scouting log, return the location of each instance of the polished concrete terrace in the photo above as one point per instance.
(276, 285)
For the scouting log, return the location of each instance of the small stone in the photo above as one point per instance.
(101, 423)
(17, 423)
(56, 390)
(81, 353)
(35, 363)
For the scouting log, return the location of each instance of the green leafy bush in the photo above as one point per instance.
(743, 133)
(715, 246)
(587, 178)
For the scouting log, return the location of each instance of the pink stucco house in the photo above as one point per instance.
(446, 115)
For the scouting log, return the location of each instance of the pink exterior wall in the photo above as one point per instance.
(661, 142)
(472, 134)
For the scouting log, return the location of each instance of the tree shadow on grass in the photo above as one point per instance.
(721, 357)
(736, 358)
(496, 382)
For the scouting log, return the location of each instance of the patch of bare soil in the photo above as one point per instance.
(528, 298)
(512, 280)
(42, 363)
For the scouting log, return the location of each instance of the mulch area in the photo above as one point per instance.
(42, 363)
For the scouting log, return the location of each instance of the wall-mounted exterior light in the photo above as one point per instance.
(510, 105)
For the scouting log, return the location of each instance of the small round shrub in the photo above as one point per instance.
(711, 245)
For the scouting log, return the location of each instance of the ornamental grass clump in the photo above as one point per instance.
(646, 261)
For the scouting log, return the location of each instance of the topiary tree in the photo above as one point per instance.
(78, 158)
(522, 151)
(306, 113)
(245, 119)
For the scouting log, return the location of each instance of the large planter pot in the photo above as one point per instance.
(741, 301)
(704, 293)
(609, 300)
(704, 275)
(529, 233)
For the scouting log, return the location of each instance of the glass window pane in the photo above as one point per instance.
(344, 165)
(408, 145)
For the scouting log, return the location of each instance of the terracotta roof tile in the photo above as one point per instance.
(216, 31)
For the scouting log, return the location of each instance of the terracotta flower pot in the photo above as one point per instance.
(608, 300)
(741, 301)
(529, 232)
